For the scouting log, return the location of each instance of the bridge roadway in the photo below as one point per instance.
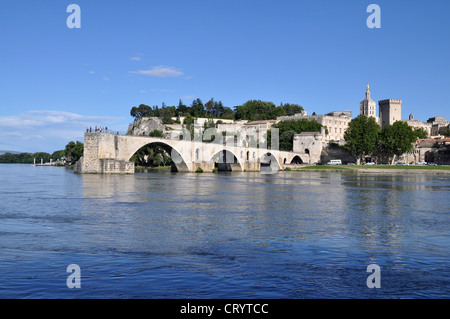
(107, 153)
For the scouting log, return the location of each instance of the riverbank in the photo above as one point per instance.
(385, 169)
(155, 168)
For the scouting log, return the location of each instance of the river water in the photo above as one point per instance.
(227, 235)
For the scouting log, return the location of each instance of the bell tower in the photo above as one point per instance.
(368, 107)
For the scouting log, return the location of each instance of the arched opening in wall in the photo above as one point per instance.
(226, 161)
(429, 157)
(306, 151)
(159, 155)
(296, 160)
(269, 164)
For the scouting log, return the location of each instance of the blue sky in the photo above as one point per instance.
(55, 81)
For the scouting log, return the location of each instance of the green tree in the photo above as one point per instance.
(396, 139)
(288, 128)
(45, 157)
(209, 106)
(21, 158)
(420, 133)
(141, 111)
(57, 155)
(218, 109)
(151, 155)
(227, 113)
(361, 136)
(291, 109)
(156, 133)
(254, 110)
(286, 140)
(73, 151)
(197, 108)
(182, 110)
(446, 133)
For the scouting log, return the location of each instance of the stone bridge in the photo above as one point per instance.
(107, 153)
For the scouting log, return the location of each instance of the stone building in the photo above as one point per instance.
(309, 143)
(415, 124)
(335, 123)
(390, 111)
(438, 125)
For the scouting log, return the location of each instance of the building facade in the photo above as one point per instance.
(390, 111)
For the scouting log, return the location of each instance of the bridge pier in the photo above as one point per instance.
(103, 166)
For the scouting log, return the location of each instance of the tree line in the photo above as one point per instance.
(364, 137)
(71, 154)
(251, 110)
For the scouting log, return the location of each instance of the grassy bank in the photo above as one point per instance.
(154, 168)
(403, 167)
(323, 167)
(380, 168)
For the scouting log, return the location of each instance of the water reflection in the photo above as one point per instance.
(287, 235)
(216, 221)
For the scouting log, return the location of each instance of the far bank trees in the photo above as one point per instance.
(361, 137)
(396, 139)
(364, 137)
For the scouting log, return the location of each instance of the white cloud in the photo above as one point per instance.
(91, 72)
(161, 90)
(106, 78)
(47, 130)
(39, 118)
(135, 58)
(160, 71)
(188, 97)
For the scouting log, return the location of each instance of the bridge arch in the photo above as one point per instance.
(178, 160)
(226, 160)
(269, 163)
(296, 160)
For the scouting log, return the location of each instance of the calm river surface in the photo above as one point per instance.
(236, 235)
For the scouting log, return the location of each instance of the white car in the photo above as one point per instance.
(335, 162)
(421, 163)
(370, 163)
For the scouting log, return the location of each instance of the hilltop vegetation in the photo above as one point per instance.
(251, 110)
